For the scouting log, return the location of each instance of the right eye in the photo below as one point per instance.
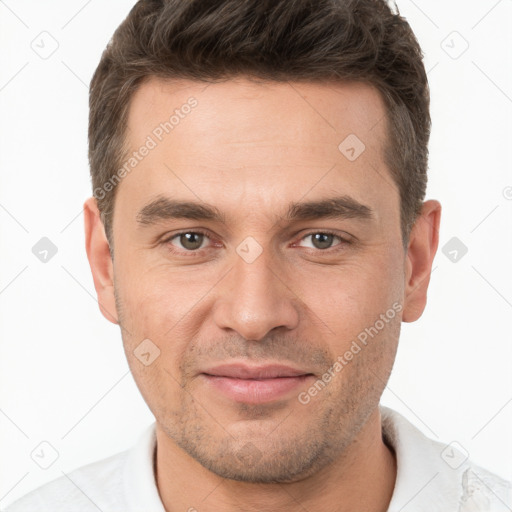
(188, 240)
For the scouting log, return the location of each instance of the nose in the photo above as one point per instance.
(255, 299)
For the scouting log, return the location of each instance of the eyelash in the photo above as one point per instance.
(192, 253)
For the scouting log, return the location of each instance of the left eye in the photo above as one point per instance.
(322, 240)
(190, 241)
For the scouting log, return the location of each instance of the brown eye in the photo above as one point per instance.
(190, 241)
(322, 240)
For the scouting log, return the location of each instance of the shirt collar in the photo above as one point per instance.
(140, 486)
(424, 481)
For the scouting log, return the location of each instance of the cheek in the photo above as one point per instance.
(153, 338)
(350, 298)
(159, 297)
(353, 289)
(165, 307)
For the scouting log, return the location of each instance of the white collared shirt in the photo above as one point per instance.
(431, 477)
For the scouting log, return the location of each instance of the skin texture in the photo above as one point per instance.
(249, 150)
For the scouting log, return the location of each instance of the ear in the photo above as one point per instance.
(100, 260)
(423, 242)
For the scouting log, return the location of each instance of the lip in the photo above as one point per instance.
(243, 371)
(255, 384)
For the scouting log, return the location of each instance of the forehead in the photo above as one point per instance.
(319, 111)
(257, 141)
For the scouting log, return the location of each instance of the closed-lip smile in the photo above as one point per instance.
(255, 383)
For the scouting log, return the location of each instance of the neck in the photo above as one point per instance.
(363, 478)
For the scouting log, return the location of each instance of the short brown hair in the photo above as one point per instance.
(275, 40)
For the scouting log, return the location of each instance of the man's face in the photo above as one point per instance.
(262, 283)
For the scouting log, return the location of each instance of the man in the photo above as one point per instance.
(258, 231)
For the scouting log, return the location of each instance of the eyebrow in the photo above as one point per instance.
(164, 208)
(342, 207)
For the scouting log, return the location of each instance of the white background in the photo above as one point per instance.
(64, 377)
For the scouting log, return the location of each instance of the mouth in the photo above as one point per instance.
(255, 384)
